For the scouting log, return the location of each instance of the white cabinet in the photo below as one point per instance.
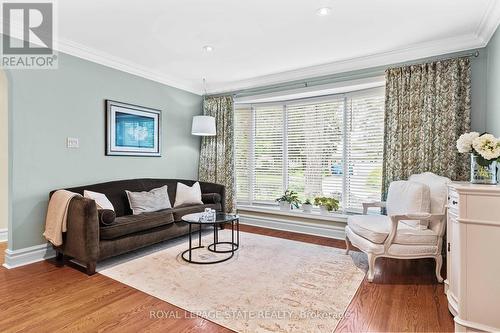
(473, 258)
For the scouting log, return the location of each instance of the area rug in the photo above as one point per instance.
(270, 285)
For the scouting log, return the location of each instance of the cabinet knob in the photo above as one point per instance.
(449, 247)
(454, 202)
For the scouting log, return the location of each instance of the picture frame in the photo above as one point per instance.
(132, 130)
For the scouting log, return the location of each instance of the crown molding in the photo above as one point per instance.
(395, 56)
(84, 52)
(489, 22)
(105, 59)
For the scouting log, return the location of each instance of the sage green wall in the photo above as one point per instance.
(47, 106)
(493, 89)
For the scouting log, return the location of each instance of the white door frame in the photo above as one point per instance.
(5, 183)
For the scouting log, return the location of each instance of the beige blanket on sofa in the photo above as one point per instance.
(57, 215)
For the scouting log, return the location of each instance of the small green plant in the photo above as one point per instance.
(329, 203)
(291, 197)
(307, 202)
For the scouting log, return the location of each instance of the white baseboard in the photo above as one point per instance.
(4, 235)
(307, 228)
(28, 255)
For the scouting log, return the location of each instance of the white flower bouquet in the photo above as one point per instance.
(485, 153)
(485, 146)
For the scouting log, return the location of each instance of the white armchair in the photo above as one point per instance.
(414, 225)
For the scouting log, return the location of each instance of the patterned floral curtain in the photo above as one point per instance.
(216, 156)
(427, 108)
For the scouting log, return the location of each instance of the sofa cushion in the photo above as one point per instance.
(188, 195)
(179, 212)
(106, 216)
(149, 201)
(376, 228)
(100, 199)
(129, 224)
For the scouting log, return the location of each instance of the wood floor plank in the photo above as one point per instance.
(45, 298)
(3, 246)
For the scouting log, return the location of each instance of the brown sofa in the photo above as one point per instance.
(88, 240)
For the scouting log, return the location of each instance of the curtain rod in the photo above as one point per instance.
(428, 60)
(316, 81)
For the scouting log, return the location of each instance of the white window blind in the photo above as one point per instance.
(330, 146)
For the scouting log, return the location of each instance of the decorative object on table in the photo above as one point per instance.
(307, 206)
(216, 153)
(209, 215)
(132, 130)
(484, 152)
(203, 126)
(326, 204)
(288, 199)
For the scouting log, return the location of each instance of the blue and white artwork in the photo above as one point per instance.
(132, 130)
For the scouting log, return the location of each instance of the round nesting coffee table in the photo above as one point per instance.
(220, 219)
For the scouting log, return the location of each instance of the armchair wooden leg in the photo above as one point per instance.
(439, 263)
(347, 245)
(371, 266)
(91, 268)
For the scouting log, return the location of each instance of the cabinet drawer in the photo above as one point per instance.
(453, 201)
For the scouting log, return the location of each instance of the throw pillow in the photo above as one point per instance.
(106, 216)
(152, 201)
(407, 197)
(100, 199)
(188, 195)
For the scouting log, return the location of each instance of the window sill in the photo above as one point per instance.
(315, 215)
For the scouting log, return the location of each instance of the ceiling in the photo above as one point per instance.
(258, 42)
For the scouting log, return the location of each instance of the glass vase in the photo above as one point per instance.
(482, 171)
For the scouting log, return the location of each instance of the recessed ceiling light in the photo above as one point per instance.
(324, 11)
(208, 48)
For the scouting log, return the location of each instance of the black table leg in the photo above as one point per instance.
(216, 230)
(232, 235)
(199, 237)
(190, 242)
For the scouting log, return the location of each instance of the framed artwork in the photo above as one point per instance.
(132, 130)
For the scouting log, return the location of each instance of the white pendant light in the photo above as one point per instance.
(203, 126)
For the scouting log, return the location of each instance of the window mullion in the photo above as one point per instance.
(345, 161)
(251, 169)
(285, 147)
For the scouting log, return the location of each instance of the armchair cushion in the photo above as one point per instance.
(406, 197)
(376, 228)
(438, 187)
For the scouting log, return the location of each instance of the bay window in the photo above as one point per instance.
(328, 146)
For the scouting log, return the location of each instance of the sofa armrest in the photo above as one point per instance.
(81, 240)
(211, 198)
(215, 188)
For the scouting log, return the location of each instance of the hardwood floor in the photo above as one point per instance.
(3, 246)
(45, 298)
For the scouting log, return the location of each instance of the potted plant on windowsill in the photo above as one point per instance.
(326, 204)
(289, 199)
(307, 206)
